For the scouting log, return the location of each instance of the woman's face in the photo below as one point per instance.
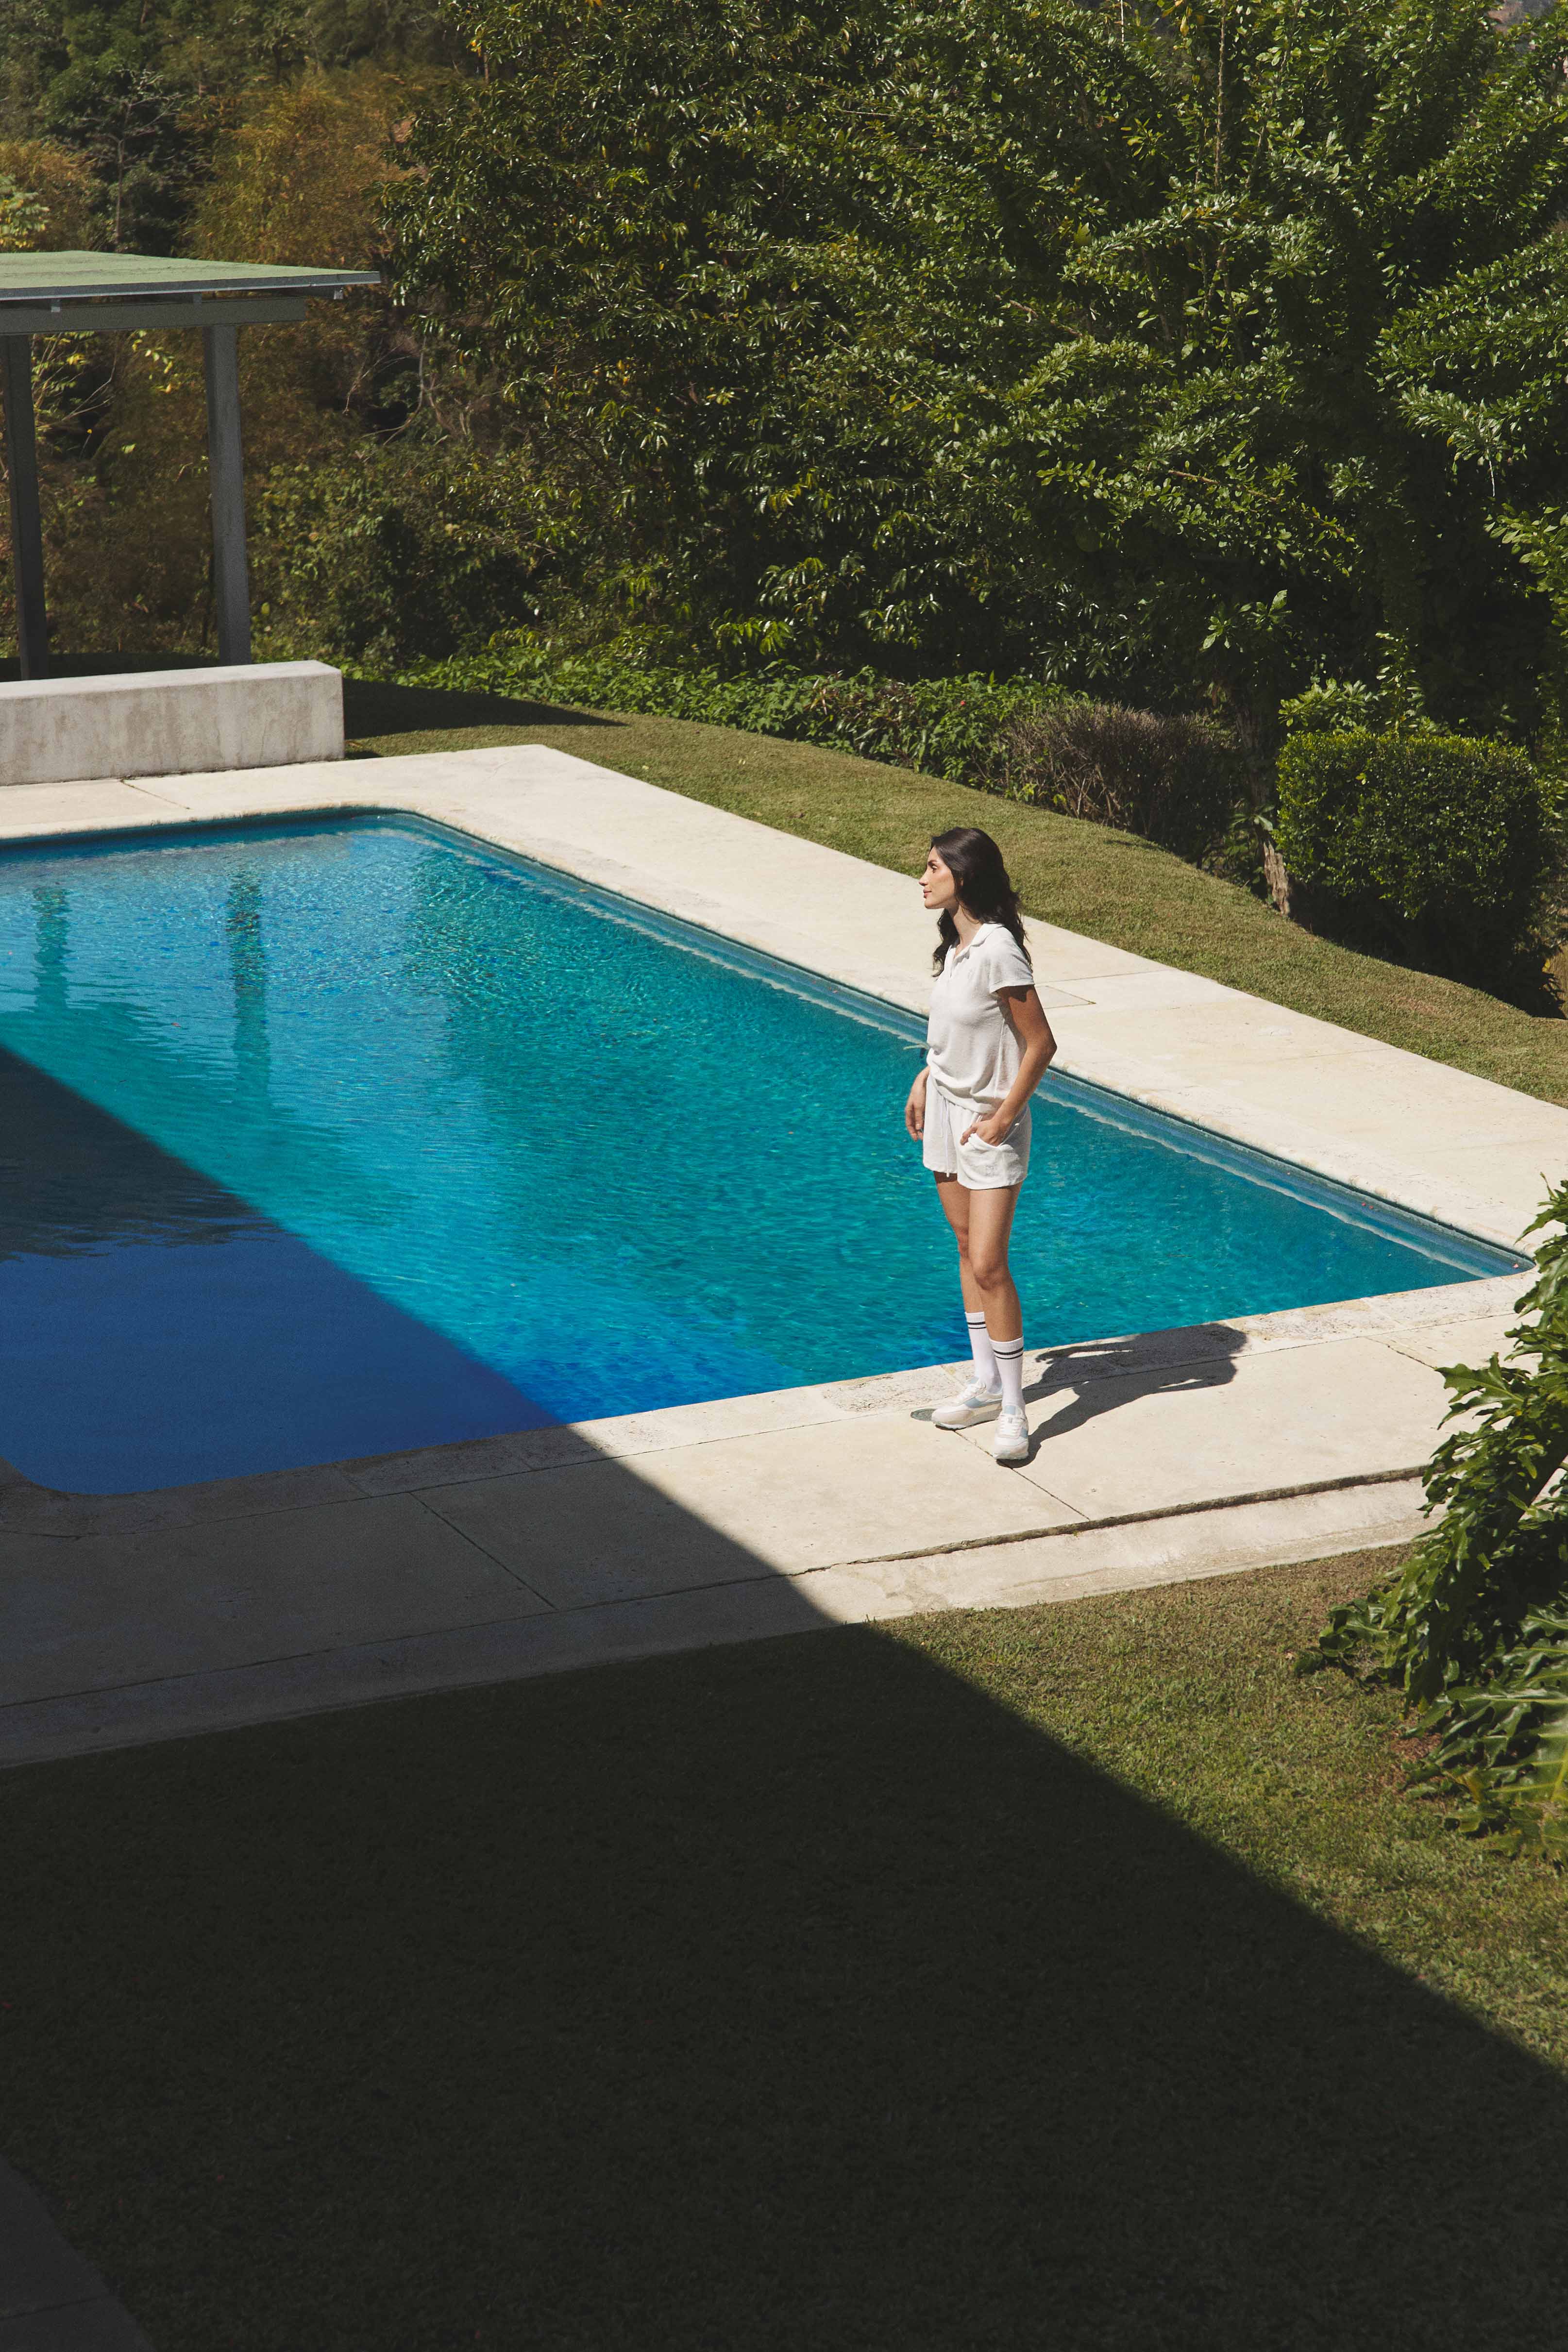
(938, 888)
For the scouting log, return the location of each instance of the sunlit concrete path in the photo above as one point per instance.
(1157, 1456)
(1180, 1454)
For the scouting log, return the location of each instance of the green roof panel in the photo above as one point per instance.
(100, 277)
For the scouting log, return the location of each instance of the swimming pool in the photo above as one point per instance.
(336, 1137)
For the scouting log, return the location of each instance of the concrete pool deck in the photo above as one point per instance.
(1157, 1456)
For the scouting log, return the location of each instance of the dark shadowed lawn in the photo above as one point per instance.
(1072, 1976)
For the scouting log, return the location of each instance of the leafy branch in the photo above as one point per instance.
(1473, 1627)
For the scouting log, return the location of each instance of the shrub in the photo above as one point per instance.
(390, 552)
(1331, 707)
(1436, 848)
(949, 727)
(1473, 1626)
(1174, 780)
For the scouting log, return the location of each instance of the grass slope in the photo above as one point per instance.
(1071, 1976)
(1083, 877)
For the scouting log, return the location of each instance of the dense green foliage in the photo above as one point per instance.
(861, 370)
(142, 88)
(391, 552)
(1473, 1628)
(1438, 847)
(951, 727)
(1172, 779)
(1176, 781)
(1188, 349)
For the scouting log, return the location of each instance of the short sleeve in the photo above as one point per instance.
(1006, 965)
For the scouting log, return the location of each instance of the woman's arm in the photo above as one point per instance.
(1026, 1015)
(915, 1108)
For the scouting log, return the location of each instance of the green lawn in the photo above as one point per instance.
(1073, 1977)
(1108, 884)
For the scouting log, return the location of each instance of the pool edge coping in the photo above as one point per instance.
(27, 1507)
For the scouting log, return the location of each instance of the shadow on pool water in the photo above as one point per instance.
(155, 1330)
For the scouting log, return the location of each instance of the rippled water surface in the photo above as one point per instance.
(334, 1140)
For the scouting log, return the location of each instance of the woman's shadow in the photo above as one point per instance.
(1099, 1376)
(1102, 1374)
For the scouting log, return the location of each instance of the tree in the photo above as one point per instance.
(143, 89)
(1120, 342)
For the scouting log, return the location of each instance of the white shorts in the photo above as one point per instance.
(979, 1167)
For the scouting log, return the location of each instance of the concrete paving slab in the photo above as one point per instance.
(1070, 957)
(1078, 1561)
(782, 1503)
(111, 1608)
(51, 2298)
(66, 808)
(1239, 1035)
(1202, 1431)
(511, 1650)
(1060, 1567)
(27, 1509)
(1474, 1341)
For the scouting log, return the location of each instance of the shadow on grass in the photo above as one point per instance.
(796, 1995)
(371, 707)
(374, 707)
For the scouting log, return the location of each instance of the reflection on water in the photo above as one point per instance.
(247, 963)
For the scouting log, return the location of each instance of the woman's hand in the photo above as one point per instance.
(915, 1108)
(992, 1128)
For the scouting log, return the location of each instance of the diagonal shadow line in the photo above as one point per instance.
(131, 1615)
(374, 707)
(135, 1284)
(791, 1994)
(794, 1994)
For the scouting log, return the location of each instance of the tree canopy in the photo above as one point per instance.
(1202, 345)
(142, 89)
(1182, 351)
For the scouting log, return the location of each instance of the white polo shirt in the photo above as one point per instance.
(971, 1050)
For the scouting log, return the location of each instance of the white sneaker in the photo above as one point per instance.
(975, 1403)
(1011, 1442)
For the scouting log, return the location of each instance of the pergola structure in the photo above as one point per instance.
(118, 293)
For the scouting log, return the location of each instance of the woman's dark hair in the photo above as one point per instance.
(974, 862)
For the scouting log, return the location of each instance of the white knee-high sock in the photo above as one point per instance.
(980, 1347)
(1009, 1355)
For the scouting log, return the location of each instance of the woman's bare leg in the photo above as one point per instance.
(981, 1223)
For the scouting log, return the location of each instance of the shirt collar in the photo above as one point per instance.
(974, 940)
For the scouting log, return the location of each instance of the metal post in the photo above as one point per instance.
(26, 529)
(226, 475)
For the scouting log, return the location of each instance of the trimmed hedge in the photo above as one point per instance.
(1440, 848)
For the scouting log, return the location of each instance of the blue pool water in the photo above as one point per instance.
(341, 1138)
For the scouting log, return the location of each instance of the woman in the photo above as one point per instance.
(988, 1044)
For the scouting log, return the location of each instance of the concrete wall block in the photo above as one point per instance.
(170, 722)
